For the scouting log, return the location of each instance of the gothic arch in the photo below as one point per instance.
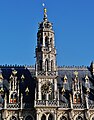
(77, 98)
(50, 117)
(43, 117)
(52, 65)
(40, 65)
(46, 41)
(46, 116)
(63, 117)
(13, 98)
(51, 40)
(78, 117)
(46, 65)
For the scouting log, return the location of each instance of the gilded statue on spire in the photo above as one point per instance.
(45, 12)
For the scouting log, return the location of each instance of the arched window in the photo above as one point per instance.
(13, 98)
(43, 117)
(40, 65)
(51, 42)
(43, 97)
(50, 117)
(46, 65)
(52, 65)
(13, 118)
(63, 118)
(29, 118)
(79, 118)
(77, 98)
(46, 41)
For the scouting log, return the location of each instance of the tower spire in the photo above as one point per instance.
(45, 12)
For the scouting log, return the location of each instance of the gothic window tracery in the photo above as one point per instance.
(50, 117)
(29, 118)
(43, 117)
(46, 65)
(63, 118)
(13, 97)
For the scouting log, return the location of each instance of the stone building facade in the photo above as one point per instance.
(46, 91)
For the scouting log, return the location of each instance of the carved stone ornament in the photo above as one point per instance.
(46, 88)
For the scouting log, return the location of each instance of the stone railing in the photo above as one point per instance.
(78, 106)
(43, 103)
(63, 105)
(13, 106)
(48, 73)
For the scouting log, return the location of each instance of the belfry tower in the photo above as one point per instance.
(46, 71)
(45, 51)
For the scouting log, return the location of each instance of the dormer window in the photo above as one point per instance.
(77, 98)
(13, 98)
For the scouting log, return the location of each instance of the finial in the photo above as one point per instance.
(27, 91)
(45, 12)
(76, 73)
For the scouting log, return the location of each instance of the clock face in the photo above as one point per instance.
(46, 88)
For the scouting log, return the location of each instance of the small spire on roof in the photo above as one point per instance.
(86, 77)
(76, 73)
(27, 91)
(65, 79)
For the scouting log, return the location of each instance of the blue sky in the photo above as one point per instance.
(73, 22)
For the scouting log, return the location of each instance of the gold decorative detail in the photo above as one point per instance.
(45, 10)
(76, 73)
(63, 90)
(1, 90)
(22, 77)
(86, 78)
(11, 77)
(27, 91)
(65, 79)
(88, 90)
(14, 72)
(1, 78)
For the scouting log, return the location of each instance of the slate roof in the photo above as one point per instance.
(69, 72)
(30, 81)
